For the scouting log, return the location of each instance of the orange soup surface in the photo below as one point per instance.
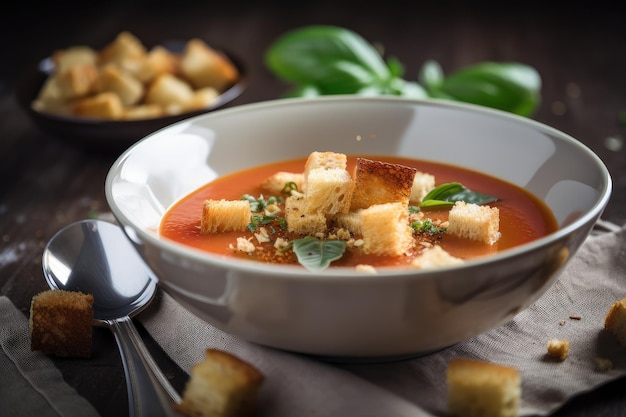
(523, 217)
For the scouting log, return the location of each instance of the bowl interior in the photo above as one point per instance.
(558, 169)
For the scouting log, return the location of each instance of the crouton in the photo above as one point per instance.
(298, 221)
(77, 81)
(422, 184)
(558, 349)
(225, 216)
(67, 58)
(435, 257)
(170, 92)
(205, 67)
(615, 321)
(326, 160)
(107, 105)
(385, 229)
(377, 182)
(328, 191)
(61, 323)
(276, 183)
(143, 111)
(472, 221)
(125, 46)
(222, 385)
(477, 388)
(158, 61)
(201, 99)
(126, 86)
(350, 221)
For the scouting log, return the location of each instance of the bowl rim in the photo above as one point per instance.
(291, 272)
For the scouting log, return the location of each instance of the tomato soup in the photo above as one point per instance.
(523, 217)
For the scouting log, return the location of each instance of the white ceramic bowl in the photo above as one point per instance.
(340, 313)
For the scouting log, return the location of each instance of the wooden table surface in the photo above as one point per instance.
(47, 183)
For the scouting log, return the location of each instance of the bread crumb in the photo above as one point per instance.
(615, 321)
(558, 349)
(603, 364)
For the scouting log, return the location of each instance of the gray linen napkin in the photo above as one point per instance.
(299, 385)
(30, 384)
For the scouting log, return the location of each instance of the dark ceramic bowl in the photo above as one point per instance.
(108, 135)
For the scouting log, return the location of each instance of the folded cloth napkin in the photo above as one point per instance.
(573, 309)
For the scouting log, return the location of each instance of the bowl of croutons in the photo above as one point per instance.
(357, 228)
(112, 96)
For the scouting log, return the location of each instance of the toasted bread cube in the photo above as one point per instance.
(435, 257)
(201, 99)
(125, 46)
(275, 183)
(222, 385)
(558, 349)
(350, 221)
(50, 98)
(205, 67)
(615, 321)
(77, 81)
(385, 229)
(298, 221)
(107, 105)
(328, 191)
(168, 90)
(61, 323)
(477, 388)
(126, 86)
(67, 58)
(225, 216)
(326, 160)
(143, 111)
(422, 184)
(472, 221)
(378, 182)
(159, 60)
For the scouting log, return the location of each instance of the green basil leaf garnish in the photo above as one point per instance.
(316, 254)
(446, 195)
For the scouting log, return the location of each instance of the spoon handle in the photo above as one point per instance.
(149, 391)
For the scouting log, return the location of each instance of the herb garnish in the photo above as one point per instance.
(320, 60)
(427, 226)
(317, 254)
(445, 195)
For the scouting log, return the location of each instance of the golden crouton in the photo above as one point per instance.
(435, 257)
(52, 99)
(385, 229)
(143, 111)
(225, 216)
(274, 184)
(77, 81)
(350, 221)
(473, 221)
(558, 349)
(615, 321)
(222, 385)
(201, 99)
(328, 191)
(298, 221)
(67, 58)
(125, 46)
(326, 160)
(170, 92)
(485, 389)
(105, 105)
(205, 67)
(422, 184)
(126, 86)
(377, 182)
(159, 60)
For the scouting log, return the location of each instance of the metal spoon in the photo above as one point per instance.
(94, 256)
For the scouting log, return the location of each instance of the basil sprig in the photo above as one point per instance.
(317, 254)
(321, 60)
(446, 195)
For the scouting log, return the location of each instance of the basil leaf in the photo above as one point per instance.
(431, 76)
(331, 58)
(315, 254)
(507, 86)
(446, 195)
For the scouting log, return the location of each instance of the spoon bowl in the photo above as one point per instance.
(95, 257)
